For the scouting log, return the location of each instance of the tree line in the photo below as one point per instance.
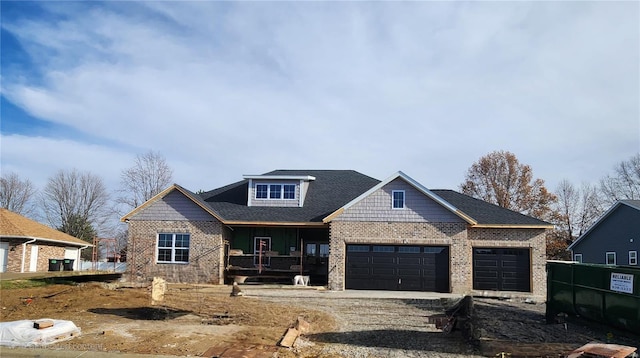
(79, 204)
(501, 179)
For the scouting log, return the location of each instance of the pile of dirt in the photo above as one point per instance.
(122, 319)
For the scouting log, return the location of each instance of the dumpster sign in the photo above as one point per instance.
(622, 282)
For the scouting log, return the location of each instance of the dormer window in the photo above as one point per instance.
(289, 191)
(276, 191)
(262, 191)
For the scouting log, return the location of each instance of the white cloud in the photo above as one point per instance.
(225, 89)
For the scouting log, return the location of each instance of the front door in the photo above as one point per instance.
(33, 261)
(260, 248)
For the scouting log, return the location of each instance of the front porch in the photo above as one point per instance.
(259, 254)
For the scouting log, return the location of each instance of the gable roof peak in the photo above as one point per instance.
(412, 182)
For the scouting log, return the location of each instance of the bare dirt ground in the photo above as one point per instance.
(194, 318)
(520, 329)
(191, 320)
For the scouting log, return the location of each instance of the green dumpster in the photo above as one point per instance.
(601, 293)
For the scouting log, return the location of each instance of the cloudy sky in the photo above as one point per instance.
(223, 89)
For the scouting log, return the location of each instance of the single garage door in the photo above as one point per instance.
(501, 269)
(398, 268)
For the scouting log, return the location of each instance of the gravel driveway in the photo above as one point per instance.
(384, 326)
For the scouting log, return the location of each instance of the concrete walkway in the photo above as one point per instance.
(320, 292)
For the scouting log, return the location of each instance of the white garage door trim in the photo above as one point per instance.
(73, 254)
(33, 259)
(4, 256)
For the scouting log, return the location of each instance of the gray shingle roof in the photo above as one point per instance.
(327, 193)
(330, 191)
(486, 213)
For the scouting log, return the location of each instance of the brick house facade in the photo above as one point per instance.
(348, 230)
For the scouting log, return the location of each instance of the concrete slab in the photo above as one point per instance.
(317, 292)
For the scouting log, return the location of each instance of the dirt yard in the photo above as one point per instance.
(195, 318)
(520, 329)
(192, 319)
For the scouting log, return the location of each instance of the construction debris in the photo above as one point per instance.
(302, 325)
(289, 338)
(43, 323)
(158, 288)
(23, 333)
(235, 290)
(602, 350)
(460, 311)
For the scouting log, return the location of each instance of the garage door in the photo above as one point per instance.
(398, 268)
(501, 269)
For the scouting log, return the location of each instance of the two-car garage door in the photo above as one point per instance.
(401, 268)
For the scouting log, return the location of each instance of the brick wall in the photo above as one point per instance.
(533, 239)
(455, 235)
(14, 257)
(206, 251)
(45, 252)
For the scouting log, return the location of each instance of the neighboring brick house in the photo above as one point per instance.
(614, 239)
(27, 246)
(342, 228)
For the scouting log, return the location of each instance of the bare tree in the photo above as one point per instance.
(574, 212)
(149, 175)
(16, 194)
(76, 203)
(499, 178)
(624, 183)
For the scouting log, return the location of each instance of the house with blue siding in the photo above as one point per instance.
(614, 239)
(341, 228)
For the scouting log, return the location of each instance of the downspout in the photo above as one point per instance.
(24, 253)
(77, 262)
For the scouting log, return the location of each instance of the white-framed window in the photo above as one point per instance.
(577, 258)
(289, 191)
(610, 258)
(173, 248)
(276, 191)
(398, 199)
(633, 258)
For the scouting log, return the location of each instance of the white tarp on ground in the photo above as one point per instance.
(22, 333)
